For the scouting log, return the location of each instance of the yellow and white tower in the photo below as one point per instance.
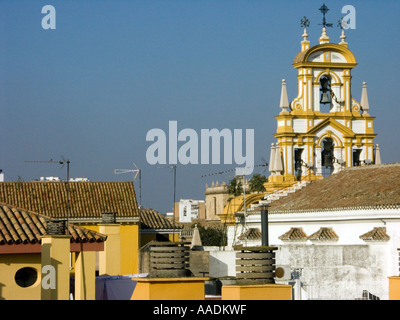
(324, 128)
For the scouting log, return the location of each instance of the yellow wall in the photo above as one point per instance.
(394, 288)
(169, 289)
(85, 281)
(9, 265)
(257, 292)
(56, 253)
(129, 247)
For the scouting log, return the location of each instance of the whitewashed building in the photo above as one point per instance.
(342, 232)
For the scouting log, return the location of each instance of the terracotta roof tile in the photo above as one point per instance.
(372, 185)
(22, 226)
(151, 219)
(324, 234)
(376, 234)
(87, 199)
(294, 234)
(251, 234)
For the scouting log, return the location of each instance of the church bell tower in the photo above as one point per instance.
(323, 129)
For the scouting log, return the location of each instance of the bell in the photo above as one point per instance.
(325, 98)
(328, 160)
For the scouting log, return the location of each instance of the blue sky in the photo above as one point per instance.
(91, 89)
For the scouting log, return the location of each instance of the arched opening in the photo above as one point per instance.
(297, 163)
(327, 157)
(356, 157)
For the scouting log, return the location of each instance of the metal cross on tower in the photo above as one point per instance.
(324, 9)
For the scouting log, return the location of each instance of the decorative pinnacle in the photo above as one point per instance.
(341, 25)
(305, 23)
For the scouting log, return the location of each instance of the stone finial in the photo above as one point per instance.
(284, 103)
(377, 155)
(272, 159)
(278, 160)
(343, 38)
(324, 37)
(364, 98)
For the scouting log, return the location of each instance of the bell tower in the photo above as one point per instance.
(324, 128)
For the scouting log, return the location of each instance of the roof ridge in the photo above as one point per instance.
(372, 166)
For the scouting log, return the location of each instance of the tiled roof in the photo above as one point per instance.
(251, 234)
(20, 226)
(372, 185)
(324, 234)
(151, 219)
(87, 199)
(376, 234)
(294, 234)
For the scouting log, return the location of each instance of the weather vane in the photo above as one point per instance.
(324, 9)
(342, 24)
(305, 23)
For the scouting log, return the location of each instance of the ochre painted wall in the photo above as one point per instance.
(169, 289)
(129, 247)
(394, 288)
(9, 265)
(257, 292)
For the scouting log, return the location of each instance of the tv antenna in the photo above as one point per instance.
(236, 169)
(63, 162)
(136, 172)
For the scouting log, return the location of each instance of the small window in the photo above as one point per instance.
(26, 277)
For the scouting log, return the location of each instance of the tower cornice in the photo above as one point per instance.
(302, 58)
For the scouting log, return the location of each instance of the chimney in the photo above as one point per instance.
(264, 225)
(108, 217)
(55, 256)
(56, 227)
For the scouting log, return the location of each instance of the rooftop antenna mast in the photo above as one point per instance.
(173, 167)
(136, 172)
(63, 162)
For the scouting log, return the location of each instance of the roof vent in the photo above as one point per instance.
(108, 217)
(56, 227)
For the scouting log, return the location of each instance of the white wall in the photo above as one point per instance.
(338, 272)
